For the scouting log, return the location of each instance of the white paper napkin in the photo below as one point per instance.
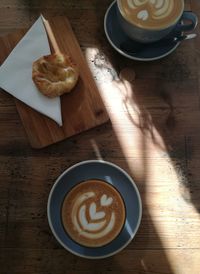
(16, 72)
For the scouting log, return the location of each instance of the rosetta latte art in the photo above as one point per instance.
(93, 213)
(152, 13)
(88, 228)
(159, 8)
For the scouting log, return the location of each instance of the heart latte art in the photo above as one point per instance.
(151, 13)
(93, 213)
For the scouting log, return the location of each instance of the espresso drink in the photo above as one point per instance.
(93, 213)
(151, 14)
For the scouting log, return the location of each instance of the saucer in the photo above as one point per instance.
(133, 49)
(112, 174)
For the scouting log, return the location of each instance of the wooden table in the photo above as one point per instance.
(153, 133)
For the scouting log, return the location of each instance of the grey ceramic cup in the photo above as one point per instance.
(188, 20)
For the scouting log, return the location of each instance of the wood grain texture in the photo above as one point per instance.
(153, 133)
(81, 109)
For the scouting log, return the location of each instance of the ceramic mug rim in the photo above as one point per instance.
(171, 24)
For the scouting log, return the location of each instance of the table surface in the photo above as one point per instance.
(153, 133)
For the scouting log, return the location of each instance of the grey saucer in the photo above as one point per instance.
(112, 174)
(132, 49)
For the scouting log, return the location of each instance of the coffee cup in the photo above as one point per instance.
(148, 21)
(94, 209)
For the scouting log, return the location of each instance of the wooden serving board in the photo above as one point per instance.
(82, 109)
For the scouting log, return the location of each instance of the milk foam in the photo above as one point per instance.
(91, 228)
(85, 224)
(143, 15)
(160, 8)
(94, 215)
(106, 201)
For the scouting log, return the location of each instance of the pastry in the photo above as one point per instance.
(54, 74)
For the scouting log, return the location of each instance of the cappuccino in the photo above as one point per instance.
(151, 14)
(93, 213)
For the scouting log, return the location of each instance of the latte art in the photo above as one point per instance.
(151, 13)
(99, 228)
(93, 213)
(159, 8)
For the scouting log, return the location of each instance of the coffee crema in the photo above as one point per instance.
(93, 213)
(151, 14)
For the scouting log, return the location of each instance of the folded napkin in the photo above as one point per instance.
(16, 72)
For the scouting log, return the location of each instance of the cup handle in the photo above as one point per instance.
(188, 21)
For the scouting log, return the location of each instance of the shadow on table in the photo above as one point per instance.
(165, 95)
(169, 122)
(160, 116)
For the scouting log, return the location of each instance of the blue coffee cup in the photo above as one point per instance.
(187, 21)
